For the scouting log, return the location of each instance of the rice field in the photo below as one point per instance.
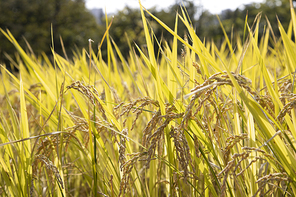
(203, 121)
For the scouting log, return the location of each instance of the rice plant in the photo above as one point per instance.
(204, 121)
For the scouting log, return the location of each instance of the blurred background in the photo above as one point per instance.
(75, 21)
(213, 6)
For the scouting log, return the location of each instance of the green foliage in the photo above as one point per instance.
(233, 21)
(32, 20)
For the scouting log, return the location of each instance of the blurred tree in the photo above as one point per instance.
(234, 20)
(206, 26)
(32, 19)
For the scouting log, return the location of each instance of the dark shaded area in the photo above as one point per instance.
(32, 20)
